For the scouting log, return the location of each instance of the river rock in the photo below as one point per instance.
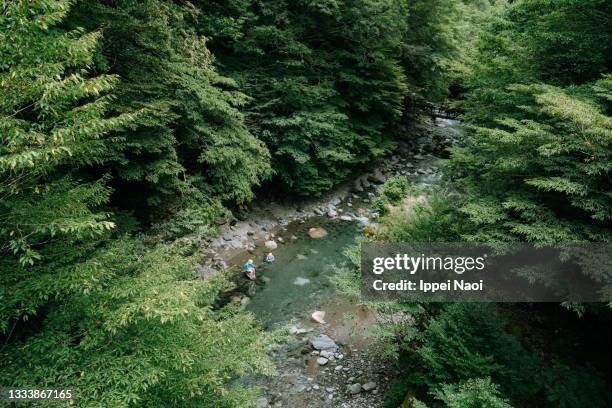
(318, 316)
(271, 244)
(323, 342)
(330, 390)
(377, 177)
(301, 281)
(354, 388)
(301, 257)
(338, 368)
(327, 354)
(299, 388)
(317, 232)
(332, 212)
(346, 218)
(357, 185)
(322, 361)
(369, 386)
(298, 330)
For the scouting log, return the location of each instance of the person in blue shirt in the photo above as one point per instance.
(249, 269)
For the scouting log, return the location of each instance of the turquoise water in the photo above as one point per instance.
(292, 285)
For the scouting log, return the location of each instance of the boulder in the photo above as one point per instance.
(271, 244)
(354, 388)
(318, 316)
(377, 177)
(322, 361)
(317, 232)
(323, 342)
(301, 281)
(357, 185)
(369, 386)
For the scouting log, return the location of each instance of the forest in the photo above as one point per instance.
(133, 131)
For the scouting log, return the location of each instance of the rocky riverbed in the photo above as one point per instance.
(333, 363)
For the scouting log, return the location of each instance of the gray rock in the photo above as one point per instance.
(322, 361)
(369, 386)
(338, 368)
(354, 388)
(299, 388)
(271, 244)
(327, 354)
(346, 218)
(377, 177)
(357, 185)
(330, 390)
(316, 387)
(323, 342)
(332, 212)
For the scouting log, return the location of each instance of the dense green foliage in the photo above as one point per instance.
(325, 82)
(121, 319)
(128, 129)
(193, 132)
(537, 165)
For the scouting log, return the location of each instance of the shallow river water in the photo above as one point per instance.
(298, 280)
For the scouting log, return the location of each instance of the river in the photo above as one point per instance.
(287, 291)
